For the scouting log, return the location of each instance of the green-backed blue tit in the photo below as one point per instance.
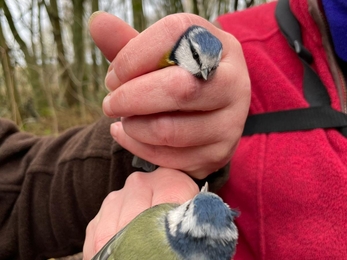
(200, 229)
(197, 51)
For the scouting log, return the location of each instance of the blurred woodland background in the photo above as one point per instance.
(51, 73)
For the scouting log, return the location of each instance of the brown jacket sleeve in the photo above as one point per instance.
(51, 187)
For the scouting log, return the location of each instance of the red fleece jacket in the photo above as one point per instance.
(291, 188)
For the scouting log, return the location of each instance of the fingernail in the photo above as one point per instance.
(110, 67)
(106, 105)
(111, 80)
(114, 130)
(93, 15)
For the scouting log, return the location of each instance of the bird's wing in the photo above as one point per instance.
(111, 246)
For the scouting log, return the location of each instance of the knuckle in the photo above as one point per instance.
(123, 64)
(178, 21)
(221, 154)
(122, 101)
(190, 88)
(164, 130)
(111, 197)
(186, 87)
(135, 180)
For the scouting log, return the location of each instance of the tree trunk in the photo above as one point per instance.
(79, 50)
(138, 15)
(31, 64)
(66, 76)
(195, 7)
(8, 72)
(95, 73)
(44, 76)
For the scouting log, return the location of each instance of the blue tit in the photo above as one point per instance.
(200, 229)
(197, 51)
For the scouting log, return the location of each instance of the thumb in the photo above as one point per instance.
(110, 33)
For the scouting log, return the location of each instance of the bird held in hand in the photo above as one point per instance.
(202, 228)
(197, 51)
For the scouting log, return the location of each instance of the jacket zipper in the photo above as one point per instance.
(343, 90)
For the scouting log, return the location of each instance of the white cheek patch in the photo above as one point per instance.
(175, 217)
(185, 58)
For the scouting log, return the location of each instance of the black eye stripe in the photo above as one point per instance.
(194, 53)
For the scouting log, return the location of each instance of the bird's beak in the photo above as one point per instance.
(205, 187)
(204, 73)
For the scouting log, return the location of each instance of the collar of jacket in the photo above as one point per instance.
(316, 11)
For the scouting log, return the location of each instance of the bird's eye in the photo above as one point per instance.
(195, 55)
(187, 207)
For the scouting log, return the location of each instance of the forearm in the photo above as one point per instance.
(50, 188)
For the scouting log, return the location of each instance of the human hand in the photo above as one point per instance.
(141, 191)
(169, 117)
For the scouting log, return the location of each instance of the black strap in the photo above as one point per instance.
(314, 90)
(319, 114)
(294, 120)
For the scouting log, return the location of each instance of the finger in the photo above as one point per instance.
(177, 129)
(202, 159)
(105, 222)
(96, 233)
(88, 246)
(117, 210)
(110, 33)
(173, 89)
(137, 197)
(159, 39)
